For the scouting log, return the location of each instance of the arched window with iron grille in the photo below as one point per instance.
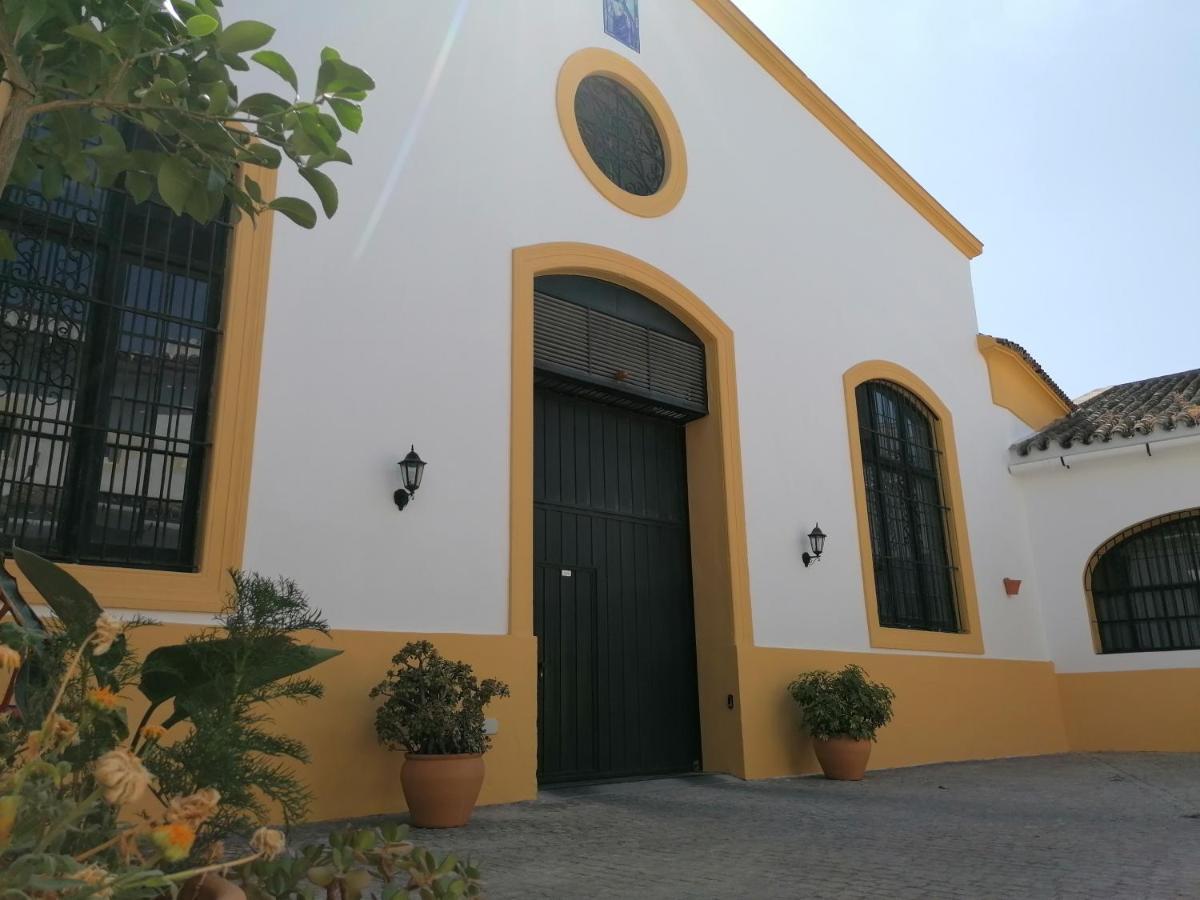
(1145, 586)
(915, 573)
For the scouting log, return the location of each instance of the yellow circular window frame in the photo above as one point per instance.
(594, 61)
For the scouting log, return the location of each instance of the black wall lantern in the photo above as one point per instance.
(816, 540)
(412, 467)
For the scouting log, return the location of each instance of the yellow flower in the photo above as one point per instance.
(174, 840)
(268, 843)
(103, 698)
(107, 631)
(96, 878)
(10, 659)
(152, 734)
(195, 809)
(122, 776)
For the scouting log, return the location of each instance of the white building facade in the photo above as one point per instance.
(789, 254)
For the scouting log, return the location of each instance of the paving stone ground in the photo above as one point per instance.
(1074, 826)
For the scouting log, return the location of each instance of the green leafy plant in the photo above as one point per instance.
(63, 791)
(842, 704)
(381, 858)
(66, 804)
(219, 682)
(433, 705)
(78, 71)
(222, 681)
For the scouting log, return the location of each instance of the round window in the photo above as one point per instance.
(620, 135)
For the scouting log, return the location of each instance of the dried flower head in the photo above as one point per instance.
(122, 776)
(152, 734)
(96, 878)
(268, 843)
(107, 630)
(60, 731)
(174, 840)
(195, 809)
(10, 659)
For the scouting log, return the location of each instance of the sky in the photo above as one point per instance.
(1065, 134)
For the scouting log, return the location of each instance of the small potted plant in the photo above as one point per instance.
(842, 711)
(433, 711)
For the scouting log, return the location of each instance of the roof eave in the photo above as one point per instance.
(1055, 453)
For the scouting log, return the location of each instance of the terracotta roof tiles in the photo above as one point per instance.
(1138, 408)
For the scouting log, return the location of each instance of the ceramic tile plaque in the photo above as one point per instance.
(621, 22)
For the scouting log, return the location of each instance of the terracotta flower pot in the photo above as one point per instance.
(1012, 586)
(209, 886)
(441, 790)
(843, 758)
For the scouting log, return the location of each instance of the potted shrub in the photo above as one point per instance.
(433, 711)
(842, 711)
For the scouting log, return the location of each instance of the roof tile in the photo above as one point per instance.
(1125, 411)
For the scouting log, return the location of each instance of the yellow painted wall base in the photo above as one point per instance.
(350, 774)
(947, 708)
(1156, 709)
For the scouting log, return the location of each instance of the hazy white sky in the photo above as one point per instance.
(1064, 133)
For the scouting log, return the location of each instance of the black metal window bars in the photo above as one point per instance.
(109, 329)
(1146, 586)
(620, 135)
(915, 575)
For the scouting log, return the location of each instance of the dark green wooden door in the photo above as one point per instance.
(612, 594)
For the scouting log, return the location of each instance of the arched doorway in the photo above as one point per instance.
(715, 509)
(616, 380)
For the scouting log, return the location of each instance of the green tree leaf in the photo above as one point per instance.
(349, 114)
(71, 601)
(325, 188)
(241, 37)
(299, 211)
(175, 183)
(202, 25)
(278, 64)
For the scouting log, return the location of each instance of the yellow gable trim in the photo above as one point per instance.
(1018, 387)
(795, 82)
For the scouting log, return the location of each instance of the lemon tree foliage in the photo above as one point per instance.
(83, 75)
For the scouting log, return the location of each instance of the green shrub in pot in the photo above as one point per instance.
(433, 710)
(843, 711)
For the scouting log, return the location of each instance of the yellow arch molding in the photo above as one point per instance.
(970, 640)
(1120, 537)
(776, 63)
(594, 61)
(720, 571)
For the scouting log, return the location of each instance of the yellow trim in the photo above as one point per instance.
(773, 60)
(350, 773)
(1139, 710)
(947, 708)
(594, 61)
(1119, 538)
(1018, 387)
(971, 638)
(227, 482)
(717, 507)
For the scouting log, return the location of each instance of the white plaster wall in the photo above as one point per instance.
(1072, 512)
(813, 261)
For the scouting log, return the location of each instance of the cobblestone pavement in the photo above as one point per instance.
(1082, 825)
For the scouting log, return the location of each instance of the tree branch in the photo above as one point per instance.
(14, 72)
